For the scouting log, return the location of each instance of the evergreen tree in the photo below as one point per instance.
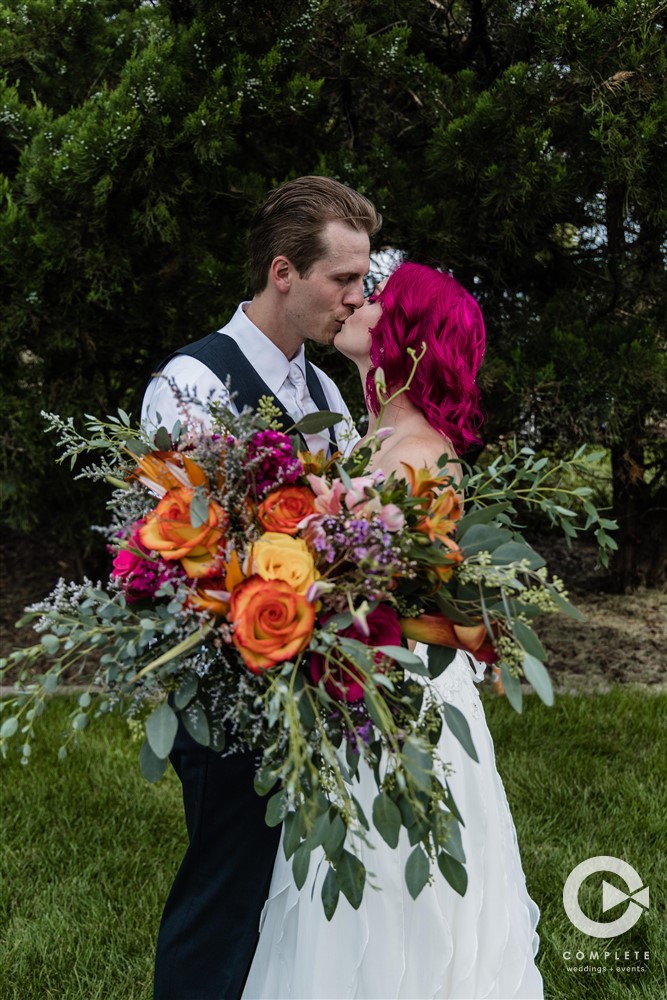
(520, 145)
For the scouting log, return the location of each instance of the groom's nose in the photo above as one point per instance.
(354, 296)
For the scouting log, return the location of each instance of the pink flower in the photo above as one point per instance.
(362, 489)
(328, 496)
(392, 517)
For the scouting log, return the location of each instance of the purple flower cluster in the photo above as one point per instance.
(376, 556)
(269, 454)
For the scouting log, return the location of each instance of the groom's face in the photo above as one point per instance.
(319, 303)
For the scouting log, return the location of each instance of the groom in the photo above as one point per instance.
(309, 251)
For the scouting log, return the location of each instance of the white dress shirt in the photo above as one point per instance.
(271, 365)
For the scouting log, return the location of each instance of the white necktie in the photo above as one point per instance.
(298, 402)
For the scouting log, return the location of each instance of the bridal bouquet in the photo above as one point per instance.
(263, 594)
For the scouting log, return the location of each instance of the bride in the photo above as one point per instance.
(442, 944)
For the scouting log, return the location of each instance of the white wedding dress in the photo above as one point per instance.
(441, 944)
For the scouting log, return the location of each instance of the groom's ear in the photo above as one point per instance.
(281, 274)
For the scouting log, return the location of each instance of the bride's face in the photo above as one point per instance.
(354, 339)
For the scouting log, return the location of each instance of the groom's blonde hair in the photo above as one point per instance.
(291, 221)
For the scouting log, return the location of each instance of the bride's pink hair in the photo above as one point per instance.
(421, 305)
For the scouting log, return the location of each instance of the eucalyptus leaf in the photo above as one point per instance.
(451, 804)
(402, 655)
(195, 721)
(335, 837)
(330, 893)
(439, 658)
(51, 644)
(536, 674)
(50, 683)
(9, 727)
(454, 872)
(418, 763)
(512, 687)
(162, 440)
(351, 877)
(528, 640)
(480, 515)
(511, 552)
(300, 865)
(161, 728)
(276, 809)
(458, 726)
(136, 447)
(485, 538)
(199, 508)
(320, 829)
(306, 711)
(450, 610)
(291, 835)
(387, 818)
(565, 606)
(454, 844)
(264, 781)
(186, 691)
(361, 815)
(313, 423)
(416, 871)
(152, 767)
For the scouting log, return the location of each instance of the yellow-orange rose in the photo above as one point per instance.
(168, 530)
(280, 557)
(272, 623)
(284, 509)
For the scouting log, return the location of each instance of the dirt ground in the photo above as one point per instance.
(622, 641)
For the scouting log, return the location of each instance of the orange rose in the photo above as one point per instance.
(285, 508)
(272, 623)
(169, 531)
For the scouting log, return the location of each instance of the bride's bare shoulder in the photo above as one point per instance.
(418, 450)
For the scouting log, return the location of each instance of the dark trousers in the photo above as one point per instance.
(209, 927)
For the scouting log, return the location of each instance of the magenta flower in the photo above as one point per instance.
(139, 571)
(269, 454)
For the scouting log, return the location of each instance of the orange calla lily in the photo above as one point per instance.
(441, 631)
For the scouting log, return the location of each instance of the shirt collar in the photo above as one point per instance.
(268, 360)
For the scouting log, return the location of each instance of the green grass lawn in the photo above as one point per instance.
(90, 849)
